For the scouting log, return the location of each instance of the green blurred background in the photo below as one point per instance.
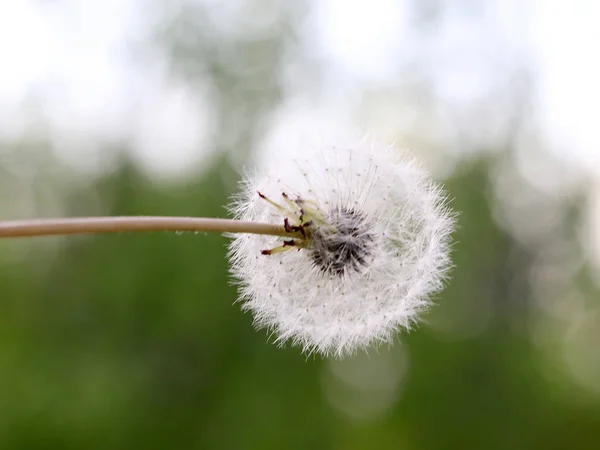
(134, 340)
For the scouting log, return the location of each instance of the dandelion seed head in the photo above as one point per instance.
(346, 245)
(372, 247)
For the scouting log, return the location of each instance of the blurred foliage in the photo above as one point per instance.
(135, 340)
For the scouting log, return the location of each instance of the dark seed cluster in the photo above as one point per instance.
(345, 245)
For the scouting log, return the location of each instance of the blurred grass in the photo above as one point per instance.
(133, 340)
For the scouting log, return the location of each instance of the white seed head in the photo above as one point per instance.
(372, 244)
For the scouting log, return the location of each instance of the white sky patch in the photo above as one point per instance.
(566, 35)
(23, 57)
(471, 53)
(156, 135)
(68, 56)
(70, 63)
(69, 59)
(360, 36)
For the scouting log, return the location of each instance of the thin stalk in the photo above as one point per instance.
(119, 224)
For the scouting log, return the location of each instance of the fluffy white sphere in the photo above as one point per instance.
(373, 244)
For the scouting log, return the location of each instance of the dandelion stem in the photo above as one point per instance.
(118, 224)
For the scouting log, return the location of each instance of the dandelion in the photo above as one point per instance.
(336, 244)
(371, 244)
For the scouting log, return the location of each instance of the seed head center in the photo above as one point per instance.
(344, 244)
